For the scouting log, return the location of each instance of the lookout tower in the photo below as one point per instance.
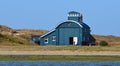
(75, 16)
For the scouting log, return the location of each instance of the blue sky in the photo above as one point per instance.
(103, 16)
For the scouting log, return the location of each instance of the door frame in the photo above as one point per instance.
(73, 40)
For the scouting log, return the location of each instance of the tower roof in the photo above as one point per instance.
(73, 12)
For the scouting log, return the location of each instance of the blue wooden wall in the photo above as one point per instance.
(63, 32)
(67, 30)
(49, 36)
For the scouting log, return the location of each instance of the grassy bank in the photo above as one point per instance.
(57, 58)
(59, 48)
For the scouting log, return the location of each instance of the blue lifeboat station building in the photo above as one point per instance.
(70, 32)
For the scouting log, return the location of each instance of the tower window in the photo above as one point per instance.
(46, 41)
(53, 38)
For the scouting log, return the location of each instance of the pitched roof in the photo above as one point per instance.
(47, 33)
(84, 25)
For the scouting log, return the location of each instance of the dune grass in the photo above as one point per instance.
(112, 40)
(59, 48)
(10, 40)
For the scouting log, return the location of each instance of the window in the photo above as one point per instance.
(53, 38)
(46, 41)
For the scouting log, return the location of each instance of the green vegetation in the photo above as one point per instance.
(12, 40)
(112, 40)
(26, 33)
(103, 43)
(15, 37)
(57, 58)
(32, 47)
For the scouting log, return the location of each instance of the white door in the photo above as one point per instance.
(75, 40)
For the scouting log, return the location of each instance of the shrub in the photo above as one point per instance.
(103, 43)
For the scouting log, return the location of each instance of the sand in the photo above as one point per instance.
(103, 53)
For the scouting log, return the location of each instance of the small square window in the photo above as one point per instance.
(46, 41)
(53, 38)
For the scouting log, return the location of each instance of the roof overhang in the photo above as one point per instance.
(47, 33)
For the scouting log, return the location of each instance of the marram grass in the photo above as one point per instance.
(59, 48)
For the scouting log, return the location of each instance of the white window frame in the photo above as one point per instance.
(53, 38)
(46, 40)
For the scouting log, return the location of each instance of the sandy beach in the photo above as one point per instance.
(105, 53)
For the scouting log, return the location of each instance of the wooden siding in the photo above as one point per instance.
(66, 33)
